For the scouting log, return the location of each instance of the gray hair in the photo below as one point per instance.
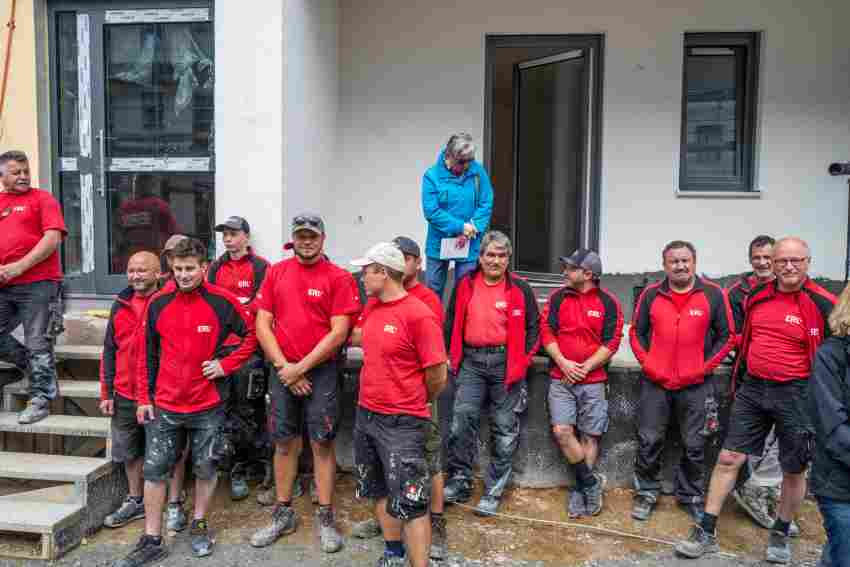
(13, 155)
(498, 238)
(460, 146)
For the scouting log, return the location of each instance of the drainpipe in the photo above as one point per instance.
(8, 57)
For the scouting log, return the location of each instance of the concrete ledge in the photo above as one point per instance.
(70, 425)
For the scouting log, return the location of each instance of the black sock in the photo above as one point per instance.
(437, 515)
(157, 540)
(781, 525)
(395, 548)
(709, 523)
(584, 476)
(137, 499)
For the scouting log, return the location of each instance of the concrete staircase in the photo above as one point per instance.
(87, 487)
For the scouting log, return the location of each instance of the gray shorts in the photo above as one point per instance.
(582, 405)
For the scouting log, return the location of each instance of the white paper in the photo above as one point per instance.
(456, 248)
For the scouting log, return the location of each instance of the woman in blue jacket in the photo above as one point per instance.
(457, 200)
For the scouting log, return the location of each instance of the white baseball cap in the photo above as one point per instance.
(383, 254)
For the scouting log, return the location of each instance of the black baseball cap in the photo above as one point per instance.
(234, 223)
(407, 246)
(586, 260)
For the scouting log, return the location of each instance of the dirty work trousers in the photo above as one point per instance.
(656, 408)
(480, 381)
(31, 304)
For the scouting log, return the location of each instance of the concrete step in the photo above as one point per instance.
(70, 425)
(78, 352)
(59, 525)
(59, 494)
(56, 468)
(75, 389)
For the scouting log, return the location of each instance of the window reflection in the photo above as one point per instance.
(145, 209)
(67, 83)
(72, 245)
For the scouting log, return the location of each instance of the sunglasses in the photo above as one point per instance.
(309, 221)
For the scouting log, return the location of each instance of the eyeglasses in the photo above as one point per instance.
(796, 262)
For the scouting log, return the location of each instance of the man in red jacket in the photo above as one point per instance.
(118, 380)
(241, 272)
(182, 388)
(493, 331)
(786, 321)
(582, 326)
(681, 330)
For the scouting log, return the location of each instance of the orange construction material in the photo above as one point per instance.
(8, 58)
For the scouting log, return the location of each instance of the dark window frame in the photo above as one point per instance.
(746, 97)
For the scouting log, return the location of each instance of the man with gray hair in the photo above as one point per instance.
(457, 200)
(492, 328)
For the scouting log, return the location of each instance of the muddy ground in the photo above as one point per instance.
(509, 542)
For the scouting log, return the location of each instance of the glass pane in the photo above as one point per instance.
(550, 157)
(159, 94)
(712, 113)
(147, 208)
(72, 246)
(67, 83)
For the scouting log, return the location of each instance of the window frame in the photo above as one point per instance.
(743, 184)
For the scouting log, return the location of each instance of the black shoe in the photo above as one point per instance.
(146, 551)
(202, 543)
(642, 508)
(695, 511)
(457, 491)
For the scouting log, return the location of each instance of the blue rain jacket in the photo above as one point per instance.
(448, 202)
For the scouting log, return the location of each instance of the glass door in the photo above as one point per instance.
(136, 133)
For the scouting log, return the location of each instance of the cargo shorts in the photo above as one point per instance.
(583, 405)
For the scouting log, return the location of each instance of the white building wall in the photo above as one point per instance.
(412, 72)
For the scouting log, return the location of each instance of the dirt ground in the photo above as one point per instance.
(494, 541)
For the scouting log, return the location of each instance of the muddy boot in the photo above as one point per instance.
(439, 539)
(367, 529)
(778, 547)
(642, 507)
(202, 542)
(457, 491)
(330, 539)
(130, 510)
(36, 410)
(756, 503)
(699, 543)
(284, 522)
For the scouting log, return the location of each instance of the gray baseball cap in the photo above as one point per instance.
(234, 223)
(308, 221)
(584, 259)
(407, 246)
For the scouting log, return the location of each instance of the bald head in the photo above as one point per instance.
(791, 258)
(143, 272)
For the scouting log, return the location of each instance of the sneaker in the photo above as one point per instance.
(778, 547)
(699, 543)
(439, 538)
(202, 543)
(391, 561)
(367, 529)
(146, 551)
(36, 410)
(457, 491)
(267, 497)
(239, 489)
(694, 510)
(175, 517)
(128, 511)
(330, 539)
(794, 529)
(755, 502)
(593, 495)
(576, 506)
(284, 522)
(487, 506)
(642, 508)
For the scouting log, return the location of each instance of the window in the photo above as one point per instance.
(719, 112)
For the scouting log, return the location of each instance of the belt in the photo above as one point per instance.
(486, 349)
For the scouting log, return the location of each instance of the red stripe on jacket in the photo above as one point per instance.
(677, 349)
(523, 325)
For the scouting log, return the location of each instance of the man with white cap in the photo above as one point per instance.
(404, 370)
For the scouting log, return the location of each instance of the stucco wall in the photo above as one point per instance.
(19, 122)
(410, 73)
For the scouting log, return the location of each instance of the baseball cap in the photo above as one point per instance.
(308, 221)
(173, 241)
(384, 254)
(586, 260)
(407, 246)
(233, 223)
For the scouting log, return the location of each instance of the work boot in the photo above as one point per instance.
(576, 506)
(642, 507)
(439, 538)
(367, 529)
(175, 517)
(755, 502)
(699, 543)
(239, 489)
(487, 506)
(392, 561)
(146, 551)
(202, 543)
(778, 547)
(593, 495)
(329, 537)
(36, 410)
(284, 522)
(128, 511)
(457, 491)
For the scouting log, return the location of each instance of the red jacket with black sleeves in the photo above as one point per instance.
(183, 330)
(677, 349)
(523, 325)
(120, 349)
(816, 304)
(581, 323)
(242, 277)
